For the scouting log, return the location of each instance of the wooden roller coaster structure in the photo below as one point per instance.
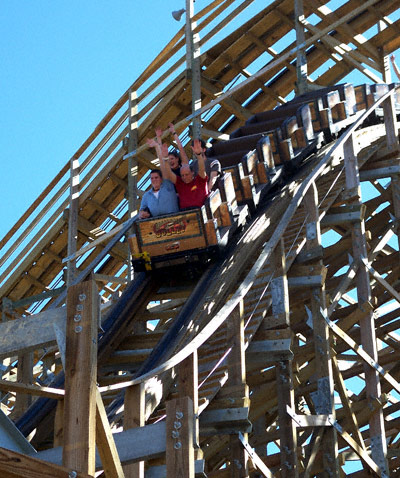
(255, 336)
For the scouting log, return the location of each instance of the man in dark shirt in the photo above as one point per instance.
(212, 165)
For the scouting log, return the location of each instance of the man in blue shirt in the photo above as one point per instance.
(160, 199)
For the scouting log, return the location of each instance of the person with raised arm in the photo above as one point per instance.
(212, 165)
(176, 158)
(395, 67)
(161, 198)
(192, 190)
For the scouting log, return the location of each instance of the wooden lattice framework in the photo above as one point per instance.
(278, 316)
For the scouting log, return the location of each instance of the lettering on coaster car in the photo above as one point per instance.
(170, 228)
(172, 247)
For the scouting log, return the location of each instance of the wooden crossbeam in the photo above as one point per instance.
(361, 352)
(19, 465)
(8, 386)
(105, 442)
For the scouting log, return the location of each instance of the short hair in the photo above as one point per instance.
(177, 155)
(187, 166)
(158, 171)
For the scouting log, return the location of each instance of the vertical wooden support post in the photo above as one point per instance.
(193, 65)
(74, 191)
(284, 375)
(324, 397)
(80, 378)
(133, 139)
(132, 147)
(385, 64)
(24, 375)
(301, 60)
(188, 385)
(367, 325)
(179, 431)
(237, 377)
(384, 58)
(393, 147)
(134, 416)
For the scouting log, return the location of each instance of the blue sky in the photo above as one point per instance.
(64, 64)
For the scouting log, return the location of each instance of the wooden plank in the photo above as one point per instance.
(23, 388)
(149, 444)
(367, 324)
(342, 390)
(373, 364)
(105, 442)
(179, 438)
(237, 378)
(134, 416)
(74, 186)
(29, 333)
(211, 232)
(18, 465)
(324, 396)
(80, 377)
(188, 385)
(24, 376)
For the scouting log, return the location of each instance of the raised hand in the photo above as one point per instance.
(164, 150)
(159, 133)
(197, 149)
(151, 142)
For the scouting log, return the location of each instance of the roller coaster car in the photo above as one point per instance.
(174, 239)
(257, 159)
(189, 236)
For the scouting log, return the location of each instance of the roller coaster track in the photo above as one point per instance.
(233, 284)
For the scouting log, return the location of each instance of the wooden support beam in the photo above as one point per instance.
(323, 398)
(188, 384)
(104, 210)
(237, 377)
(354, 58)
(301, 58)
(105, 442)
(284, 373)
(133, 166)
(134, 416)
(19, 465)
(229, 103)
(367, 324)
(80, 377)
(392, 138)
(314, 447)
(24, 376)
(74, 192)
(22, 388)
(179, 438)
(342, 390)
